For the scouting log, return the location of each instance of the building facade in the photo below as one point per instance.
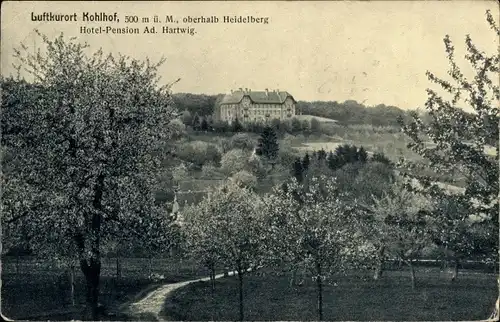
(257, 106)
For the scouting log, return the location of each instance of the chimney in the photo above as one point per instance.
(241, 89)
(267, 92)
(231, 91)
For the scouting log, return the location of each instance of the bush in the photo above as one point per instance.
(243, 141)
(177, 128)
(198, 153)
(244, 179)
(209, 171)
(234, 161)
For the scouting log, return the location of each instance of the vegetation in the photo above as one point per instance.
(459, 139)
(268, 147)
(100, 161)
(224, 229)
(83, 141)
(352, 297)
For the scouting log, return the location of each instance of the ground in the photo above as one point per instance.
(34, 290)
(269, 297)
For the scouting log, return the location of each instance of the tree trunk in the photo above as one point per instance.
(92, 270)
(118, 268)
(240, 277)
(72, 284)
(412, 272)
(455, 269)
(91, 265)
(380, 265)
(212, 279)
(150, 268)
(319, 286)
(294, 276)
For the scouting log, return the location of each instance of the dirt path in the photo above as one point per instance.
(152, 304)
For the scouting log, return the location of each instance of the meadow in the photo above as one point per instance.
(346, 298)
(34, 289)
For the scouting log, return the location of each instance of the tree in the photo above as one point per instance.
(306, 127)
(234, 161)
(187, 118)
(198, 153)
(459, 138)
(242, 141)
(209, 171)
(236, 126)
(311, 226)
(401, 224)
(227, 226)
(179, 173)
(315, 125)
(380, 157)
(298, 170)
(267, 145)
(244, 179)
(306, 161)
(196, 123)
(458, 231)
(256, 167)
(84, 137)
(204, 124)
(345, 154)
(296, 126)
(177, 128)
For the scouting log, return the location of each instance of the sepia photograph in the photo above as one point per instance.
(250, 160)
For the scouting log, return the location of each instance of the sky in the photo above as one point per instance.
(373, 52)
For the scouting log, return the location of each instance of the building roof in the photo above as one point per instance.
(259, 97)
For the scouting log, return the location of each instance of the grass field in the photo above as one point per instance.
(270, 297)
(35, 290)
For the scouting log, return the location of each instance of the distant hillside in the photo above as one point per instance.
(200, 104)
(352, 112)
(319, 118)
(348, 112)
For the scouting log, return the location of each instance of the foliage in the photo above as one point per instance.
(204, 125)
(380, 157)
(226, 227)
(84, 137)
(311, 226)
(460, 138)
(315, 125)
(210, 171)
(346, 154)
(244, 179)
(234, 161)
(267, 145)
(352, 112)
(177, 129)
(296, 126)
(243, 141)
(372, 181)
(199, 104)
(196, 122)
(199, 153)
(256, 167)
(401, 224)
(458, 231)
(236, 126)
(187, 118)
(180, 173)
